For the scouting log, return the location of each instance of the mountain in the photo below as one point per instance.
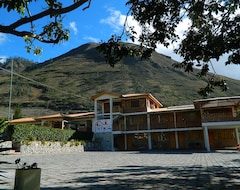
(66, 83)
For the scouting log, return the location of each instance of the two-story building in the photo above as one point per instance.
(141, 122)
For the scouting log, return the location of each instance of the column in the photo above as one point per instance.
(237, 135)
(149, 133)
(111, 121)
(206, 138)
(176, 133)
(62, 127)
(125, 135)
(95, 109)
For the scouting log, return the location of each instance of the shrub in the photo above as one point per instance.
(20, 133)
(3, 125)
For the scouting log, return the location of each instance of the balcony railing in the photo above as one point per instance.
(219, 118)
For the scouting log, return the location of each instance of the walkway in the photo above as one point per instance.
(130, 170)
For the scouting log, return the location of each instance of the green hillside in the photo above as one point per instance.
(66, 83)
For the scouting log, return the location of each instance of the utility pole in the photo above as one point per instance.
(10, 93)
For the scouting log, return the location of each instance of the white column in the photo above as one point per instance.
(176, 133)
(149, 133)
(206, 138)
(125, 135)
(94, 120)
(95, 109)
(111, 109)
(113, 143)
(111, 120)
(237, 135)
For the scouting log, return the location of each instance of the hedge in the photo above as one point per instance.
(19, 133)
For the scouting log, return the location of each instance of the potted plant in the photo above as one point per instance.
(27, 176)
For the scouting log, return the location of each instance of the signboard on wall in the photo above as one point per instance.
(102, 126)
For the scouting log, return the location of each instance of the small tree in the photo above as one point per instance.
(17, 112)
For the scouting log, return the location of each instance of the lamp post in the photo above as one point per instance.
(10, 93)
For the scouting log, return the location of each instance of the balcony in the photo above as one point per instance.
(219, 117)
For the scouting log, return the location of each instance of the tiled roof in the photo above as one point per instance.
(23, 120)
(104, 93)
(58, 115)
(149, 95)
(79, 114)
(218, 98)
(217, 102)
(174, 108)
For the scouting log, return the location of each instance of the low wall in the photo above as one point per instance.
(5, 144)
(37, 147)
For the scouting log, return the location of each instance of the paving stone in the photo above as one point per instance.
(130, 170)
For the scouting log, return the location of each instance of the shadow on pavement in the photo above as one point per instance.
(3, 166)
(157, 177)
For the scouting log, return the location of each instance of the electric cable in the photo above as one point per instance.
(32, 80)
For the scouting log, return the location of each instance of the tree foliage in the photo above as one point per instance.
(213, 31)
(17, 112)
(53, 32)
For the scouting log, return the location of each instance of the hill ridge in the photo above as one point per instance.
(82, 71)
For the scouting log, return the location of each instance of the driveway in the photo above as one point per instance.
(130, 170)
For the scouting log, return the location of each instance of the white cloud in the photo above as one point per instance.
(73, 26)
(232, 70)
(92, 39)
(3, 58)
(3, 38)
(115, 20)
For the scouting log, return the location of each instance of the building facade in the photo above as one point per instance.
(140, 122)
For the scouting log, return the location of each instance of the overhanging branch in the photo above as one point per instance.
(11, 28)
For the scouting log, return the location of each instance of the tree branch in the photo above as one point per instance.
(11, 28)
(89, 3)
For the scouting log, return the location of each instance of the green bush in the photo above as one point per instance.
(3, 125)
(20, 133)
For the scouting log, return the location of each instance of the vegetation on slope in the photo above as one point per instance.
(66, 83)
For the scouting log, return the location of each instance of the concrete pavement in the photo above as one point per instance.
(130, 170)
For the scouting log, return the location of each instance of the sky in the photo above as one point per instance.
(95, 24)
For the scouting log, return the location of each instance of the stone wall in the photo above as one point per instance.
(37, 147)
(6, 144)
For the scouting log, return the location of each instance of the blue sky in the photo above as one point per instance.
(99, 22)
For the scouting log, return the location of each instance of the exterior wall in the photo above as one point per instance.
(219, 114)
(162, 121)
(136, 122)
(222, 138)
(118, 124)
(84, 126)
(162, 141)
(119, 142)
(191, 140)
(188, 119)
(134, 105)
(104, 140)
(136, 127)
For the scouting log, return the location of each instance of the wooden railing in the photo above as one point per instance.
(219, 118)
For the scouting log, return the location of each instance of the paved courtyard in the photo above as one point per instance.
(130, 170)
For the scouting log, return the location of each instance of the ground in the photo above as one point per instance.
(130, 170)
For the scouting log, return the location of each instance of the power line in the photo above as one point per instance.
(63, 92)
